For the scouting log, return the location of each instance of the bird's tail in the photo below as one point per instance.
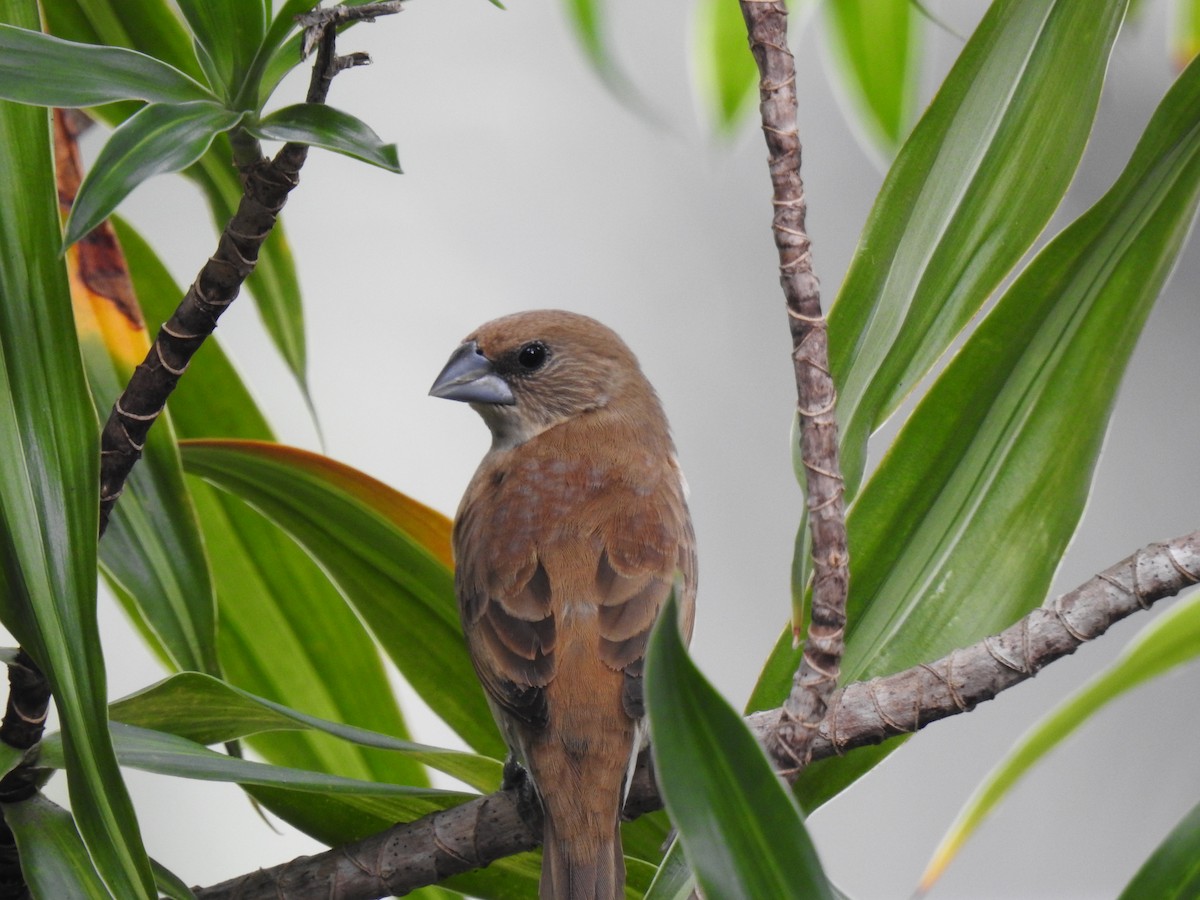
(587, 866)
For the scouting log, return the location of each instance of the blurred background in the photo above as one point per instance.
(529, 184)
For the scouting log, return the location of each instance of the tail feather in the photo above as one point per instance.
(591, 870)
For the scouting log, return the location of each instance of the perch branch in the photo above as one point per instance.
(481, 831)
(816, 679)
(266, 185)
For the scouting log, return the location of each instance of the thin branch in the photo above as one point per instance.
(816, 679)
(424, 852)
(266, 185)
(870, 712)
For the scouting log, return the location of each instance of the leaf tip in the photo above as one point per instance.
(942, 858)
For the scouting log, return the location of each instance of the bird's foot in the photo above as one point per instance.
(517, 780)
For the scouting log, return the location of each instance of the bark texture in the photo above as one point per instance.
(816, 679)
(479, 832)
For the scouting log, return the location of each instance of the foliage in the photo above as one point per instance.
(266, 576)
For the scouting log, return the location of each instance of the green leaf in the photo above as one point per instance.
(230, 32)
(742, 831)
(875, 45)
(47, 71)
(587, 20)
(1185, 32)
(169, 754)
(284, 38)
(725, 70)
(54, 861)
(209, 711)
(153, 557)
(388, 555)
(1167, 643)
(674, 879)
(10, 758)
(150, 26)
(158, 138)
(324, 126)
(1172, 871)
(287, 634)
(960, 529)
(49, 484)
(171, 884)
(1004, 133)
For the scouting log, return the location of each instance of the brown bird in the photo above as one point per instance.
(567, 543)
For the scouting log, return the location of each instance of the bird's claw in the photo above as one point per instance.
(517, 780)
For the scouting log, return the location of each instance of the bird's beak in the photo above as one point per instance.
(470, 377)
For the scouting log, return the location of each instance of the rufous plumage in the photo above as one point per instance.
(567, 543)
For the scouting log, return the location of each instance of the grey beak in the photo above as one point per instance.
(470, 377)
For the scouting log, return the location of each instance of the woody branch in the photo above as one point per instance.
(474, 834)
(816, 679)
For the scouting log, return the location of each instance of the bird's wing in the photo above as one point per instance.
(649, 548)
(504, 601)
(619, 550)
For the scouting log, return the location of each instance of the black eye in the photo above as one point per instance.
(532, 356)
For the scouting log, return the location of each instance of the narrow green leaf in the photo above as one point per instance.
(54, 861)
(150, 26)
(587, 20)
(960, 529)
(585, 17)
(209, 711)
(875, 45)
(288, 635)
(332, 129)
(153, 558)
(742, 831)
(1004, 133)
(47, 71)
(10, 757)
(1185, 32)
(1167, 643)
(171, 884)
(230, 32)
(168, 754)
(158, 138)
(369, 539)
(1172, 872)
(725, 70)
(49, 482)
(674, 879)
(283, 41)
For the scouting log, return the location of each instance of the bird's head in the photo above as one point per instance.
(527, 372)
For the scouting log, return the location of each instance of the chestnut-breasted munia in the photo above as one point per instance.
(567, 543)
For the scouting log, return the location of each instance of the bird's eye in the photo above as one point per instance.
(532, 356)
